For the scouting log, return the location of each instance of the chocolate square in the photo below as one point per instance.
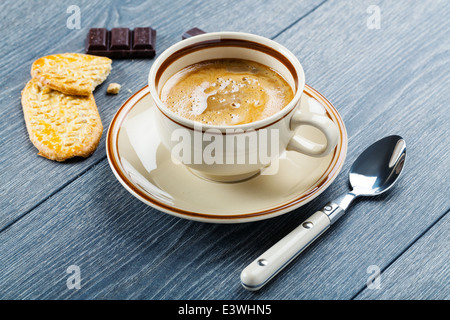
(120, 39)
(97, 39)
(192, 33)
(143, 38)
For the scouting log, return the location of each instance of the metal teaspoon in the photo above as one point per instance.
(373, 172)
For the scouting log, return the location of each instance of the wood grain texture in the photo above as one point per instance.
(380, 81)
(388, 81)
(419, 270)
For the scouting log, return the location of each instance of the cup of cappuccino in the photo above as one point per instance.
(228, 105)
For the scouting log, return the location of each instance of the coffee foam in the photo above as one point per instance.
(226, 92)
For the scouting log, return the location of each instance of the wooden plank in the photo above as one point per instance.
(28, 34)
(380, 81)
(375, 78)
(124, 249)
(421, 272)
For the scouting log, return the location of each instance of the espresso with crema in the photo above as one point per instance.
(226, 92)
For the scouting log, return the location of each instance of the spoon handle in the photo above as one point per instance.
(267, 265)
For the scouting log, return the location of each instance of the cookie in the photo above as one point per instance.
(71, 73)
(60, 126)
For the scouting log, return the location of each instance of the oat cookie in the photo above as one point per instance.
(71, 73)
(60, 126)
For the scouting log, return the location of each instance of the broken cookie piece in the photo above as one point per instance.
(113, 88)
(71, 73)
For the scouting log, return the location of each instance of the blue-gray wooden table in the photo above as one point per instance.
(385, 65)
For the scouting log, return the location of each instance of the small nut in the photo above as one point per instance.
(113, 88)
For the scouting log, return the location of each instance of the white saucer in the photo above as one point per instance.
(144, 167)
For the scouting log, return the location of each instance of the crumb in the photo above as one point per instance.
(113, 88)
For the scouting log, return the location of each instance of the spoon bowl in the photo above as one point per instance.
(378, 167)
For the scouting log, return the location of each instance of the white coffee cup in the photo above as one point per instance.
(213, 151)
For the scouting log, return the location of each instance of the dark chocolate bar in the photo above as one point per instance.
(121, 43)
(191, 33)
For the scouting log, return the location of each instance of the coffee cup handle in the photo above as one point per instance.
(306, 146)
